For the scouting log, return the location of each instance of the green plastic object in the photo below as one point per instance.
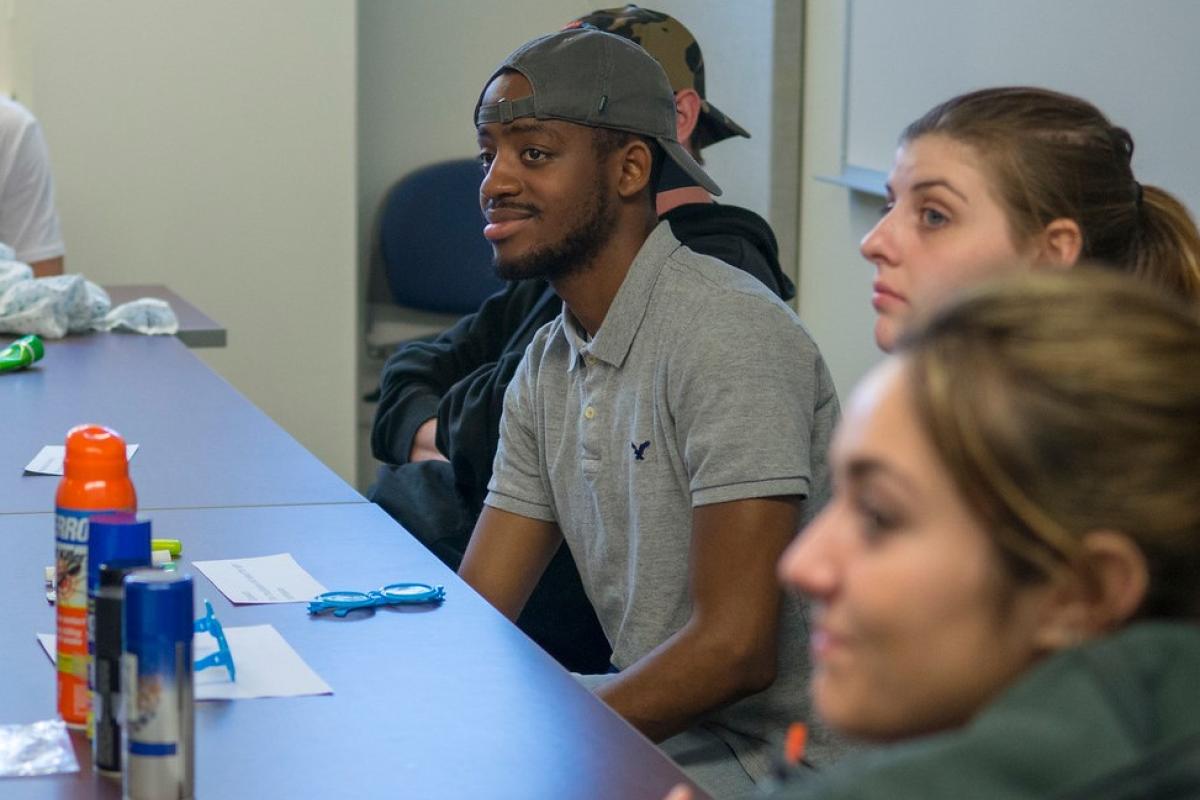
(21, 353)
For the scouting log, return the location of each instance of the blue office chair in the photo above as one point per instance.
(429, 259)
(431, 240)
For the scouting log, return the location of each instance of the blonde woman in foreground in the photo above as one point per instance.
(1004, 585)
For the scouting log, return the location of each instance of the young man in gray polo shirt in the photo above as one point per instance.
(671, 425)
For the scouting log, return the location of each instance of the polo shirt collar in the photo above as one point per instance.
(612, 342)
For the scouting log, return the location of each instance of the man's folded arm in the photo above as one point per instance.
(418, 375)
(507, 555)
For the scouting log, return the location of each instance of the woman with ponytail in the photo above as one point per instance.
(1013, 178)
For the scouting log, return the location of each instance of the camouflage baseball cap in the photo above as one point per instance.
(673, 46)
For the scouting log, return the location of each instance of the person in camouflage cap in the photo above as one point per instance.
(676, 49)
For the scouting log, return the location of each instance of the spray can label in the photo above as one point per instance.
(157, 685)
(70, 582)
(105, 725)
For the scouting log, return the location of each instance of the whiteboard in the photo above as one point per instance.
(1137, 60)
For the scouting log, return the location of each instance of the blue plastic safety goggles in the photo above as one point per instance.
(394, 594)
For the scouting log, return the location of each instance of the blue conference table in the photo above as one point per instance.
(447, 702)
(201, 443)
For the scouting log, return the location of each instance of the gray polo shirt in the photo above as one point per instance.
(699, 387)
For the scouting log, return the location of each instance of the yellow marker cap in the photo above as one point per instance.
(173, 546)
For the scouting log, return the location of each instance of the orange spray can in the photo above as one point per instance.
(95, 481)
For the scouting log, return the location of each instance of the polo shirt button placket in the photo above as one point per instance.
(589, 363)
(590, 435)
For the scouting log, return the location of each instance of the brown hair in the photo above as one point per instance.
(1055, 156)
(1068, 403)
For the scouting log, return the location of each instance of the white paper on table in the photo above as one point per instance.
(265, 579)
(267, 666)
(49, 643)
(49, 460)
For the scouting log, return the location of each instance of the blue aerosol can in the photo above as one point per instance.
(156, 680)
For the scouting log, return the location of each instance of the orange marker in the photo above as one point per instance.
(95, 481)
(783, 766)
(797, 740)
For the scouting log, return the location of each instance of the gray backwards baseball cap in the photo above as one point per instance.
(597, 79)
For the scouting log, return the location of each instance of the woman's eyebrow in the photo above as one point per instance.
(932, 182)
(863, 468)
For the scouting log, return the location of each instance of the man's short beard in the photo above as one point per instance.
(574, 253)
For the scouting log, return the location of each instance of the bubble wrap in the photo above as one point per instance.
(55, 306)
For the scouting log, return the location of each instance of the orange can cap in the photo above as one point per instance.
(94, 447)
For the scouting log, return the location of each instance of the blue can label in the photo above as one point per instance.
(158, 722)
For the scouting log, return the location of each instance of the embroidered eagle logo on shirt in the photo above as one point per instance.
(639, 450)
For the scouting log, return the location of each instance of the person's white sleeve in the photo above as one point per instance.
(28, 220)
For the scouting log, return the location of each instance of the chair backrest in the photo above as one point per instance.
(431, 240)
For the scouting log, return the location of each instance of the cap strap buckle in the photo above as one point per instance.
(504, 110)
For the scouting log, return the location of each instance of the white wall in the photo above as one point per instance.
(835, 281)
(736, 40)
(211, 146)
(7, 39)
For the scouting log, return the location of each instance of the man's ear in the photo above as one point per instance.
(636, 162)
(1060, 244)
(687, 113)
(1100, 597)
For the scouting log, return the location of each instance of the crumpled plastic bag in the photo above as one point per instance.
(12, 271)
(55, 306)
(144, 315)
(41, 748)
